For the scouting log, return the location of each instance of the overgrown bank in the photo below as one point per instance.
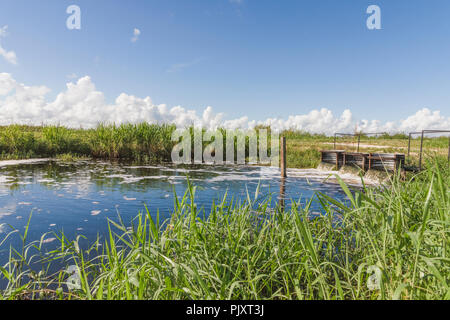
(141, 142)
(152, 143)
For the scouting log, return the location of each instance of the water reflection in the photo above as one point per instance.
(282, 195)
(78, 197)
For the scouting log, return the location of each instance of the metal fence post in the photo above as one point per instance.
(359, 140)
(448, 158)
(421, 149)
(409, 145)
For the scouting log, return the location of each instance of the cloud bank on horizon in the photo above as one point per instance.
(82, 105)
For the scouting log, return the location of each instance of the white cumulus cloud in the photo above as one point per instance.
(81, 104)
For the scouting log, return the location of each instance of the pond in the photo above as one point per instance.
(78, 197)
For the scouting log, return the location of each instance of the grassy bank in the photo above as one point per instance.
(303, 148)
(379, 245)
(152, 143)
(141, 142)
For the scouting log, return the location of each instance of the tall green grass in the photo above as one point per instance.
(128, 141)
(14, 142)
(389, 243)
(138, 142)
(152, 142)
(141, 142)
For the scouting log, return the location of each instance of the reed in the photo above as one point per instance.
(152, 143)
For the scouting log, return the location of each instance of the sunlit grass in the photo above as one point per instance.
(152, 143)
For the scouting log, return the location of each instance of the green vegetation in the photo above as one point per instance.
(303, 148)
(140, 142)
(377, 245)
(137, 142)
(152, 143)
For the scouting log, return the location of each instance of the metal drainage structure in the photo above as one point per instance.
(422, 133)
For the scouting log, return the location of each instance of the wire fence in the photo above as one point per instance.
(422, 137)
(357, 138)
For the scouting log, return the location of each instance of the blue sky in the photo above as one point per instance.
(255, 58)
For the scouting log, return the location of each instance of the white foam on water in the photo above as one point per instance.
(118, 175)
(5, 163)
(256, 174)
(144, 167)
(177, 170)
(48, 240)
(5, 179)
(329, 176)
(127, 180)
(182, 178)
(7, 211)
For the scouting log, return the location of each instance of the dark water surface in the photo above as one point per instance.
(78, 197)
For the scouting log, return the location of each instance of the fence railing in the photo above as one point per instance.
(422, 134)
